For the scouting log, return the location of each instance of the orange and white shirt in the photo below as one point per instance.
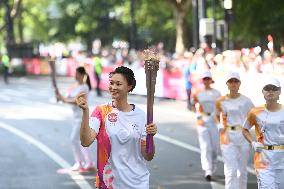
(205, 103)
(233, 113)
(119, 135)
(269, 130)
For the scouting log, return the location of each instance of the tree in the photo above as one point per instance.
(154, 22)
(87, 20)
(180, 9)
(30, 17)
(254, 20)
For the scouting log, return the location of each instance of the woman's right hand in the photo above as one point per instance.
(81, 101)
(59, 97)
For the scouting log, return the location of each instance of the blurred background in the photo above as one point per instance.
(218, 35)
(191, 36)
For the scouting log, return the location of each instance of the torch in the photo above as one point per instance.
(151, 67)
(53, 74)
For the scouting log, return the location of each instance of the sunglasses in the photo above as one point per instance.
(271, 88)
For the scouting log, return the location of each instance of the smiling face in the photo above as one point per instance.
(118, 86)
(271, 92)
(233, 85)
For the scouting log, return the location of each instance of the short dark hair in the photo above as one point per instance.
(127, 74)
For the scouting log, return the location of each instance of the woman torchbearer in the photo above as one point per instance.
(120, 129)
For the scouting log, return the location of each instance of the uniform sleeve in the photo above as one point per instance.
(95, 119)
(218, 93)
(218, 106)
(85, 89)
(250, 105)
(250, 121)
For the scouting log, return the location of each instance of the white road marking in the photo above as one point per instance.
(189, 147)
(79, 179)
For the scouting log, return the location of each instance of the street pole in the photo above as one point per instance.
(195, 24)
(202, 14)
(226, 31)
(214, 45)
(228, 5)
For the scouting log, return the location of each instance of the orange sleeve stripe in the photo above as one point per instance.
(252, 121)
(218, 103)
(251, 116)
(223, 135)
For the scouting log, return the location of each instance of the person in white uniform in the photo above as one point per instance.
(120, 129)
(268, 121)
(208, 136)
(83, 156)
(231, 112)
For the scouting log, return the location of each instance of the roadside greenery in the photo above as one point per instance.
(141, 22)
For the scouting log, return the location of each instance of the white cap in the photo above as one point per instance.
(233, 75)
(272, 81)
(206, 74)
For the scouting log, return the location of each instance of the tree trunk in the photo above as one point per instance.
(181, 8)
(133, 27)
(179, 19)
(10, 38)
(21, 26)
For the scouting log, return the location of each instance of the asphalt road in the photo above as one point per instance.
(34, 141)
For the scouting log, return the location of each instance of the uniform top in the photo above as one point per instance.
(233, 113)
(119, 136)
(269, 127)
(234, 109)
(72, 93)
(206, 100)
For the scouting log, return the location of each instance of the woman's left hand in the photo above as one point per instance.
(151, 129)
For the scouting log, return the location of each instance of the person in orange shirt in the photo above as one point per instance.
(204, 101)
(269, 130)
(120, 129)
(231, 112)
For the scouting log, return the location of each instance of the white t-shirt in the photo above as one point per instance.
(235, 113)
(206, 100)
(269, 129)
(72, 93)
(120, 134)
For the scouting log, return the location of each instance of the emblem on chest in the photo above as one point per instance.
(112, 117)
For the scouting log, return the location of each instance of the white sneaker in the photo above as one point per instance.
(76, 167)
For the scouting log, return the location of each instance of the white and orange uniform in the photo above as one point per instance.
(119, 158)
(234, 147)
(207, 131)
(82, 154)
(269, 130)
